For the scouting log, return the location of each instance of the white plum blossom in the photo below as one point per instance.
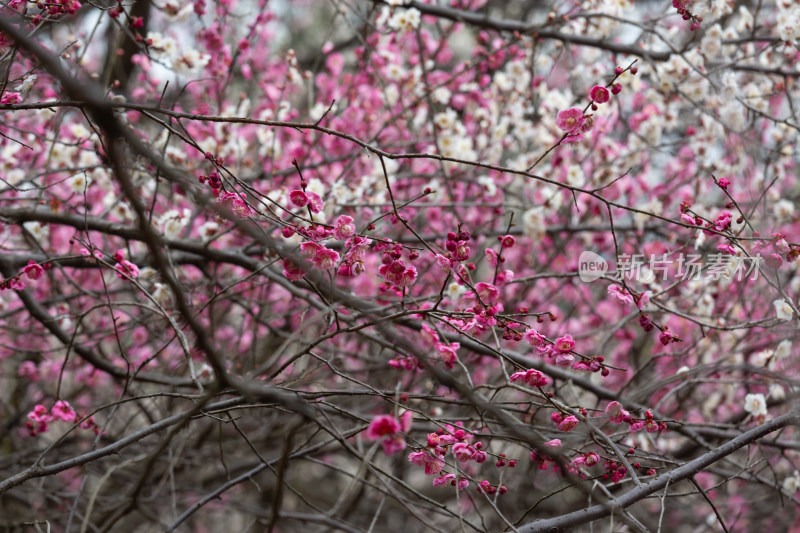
(762, 358)
(190, 62)
(405, 20)
(745, 21)
(176, 11)
(14, 176)
(208, 229)
(783, 210)
(37, 231)
(783, 309)
(442, 95)
(792, 483)
(755, 404)
(173, 222)
(789, 23)
(391, 95)
(27, 83)
(455, 290)
(79, 183)
(533, 223)
(777, 392)
(161, 47)
(488, 185)
(121, 209)
(446, 120)
(783, 349)
(575, 176)
(395, 72)
(161, 293)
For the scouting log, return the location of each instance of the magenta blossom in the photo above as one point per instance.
(235, 203)
(63, 411)
(393, 444)
(382, 425)
(599, 94)
(532, 377)
(568, 424)
(33, 270)
(398, 274)
(306, 198)
(126, 268)
(292, 271)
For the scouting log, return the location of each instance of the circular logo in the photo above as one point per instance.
(591, 266)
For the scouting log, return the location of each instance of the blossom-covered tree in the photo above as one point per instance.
(399, 265)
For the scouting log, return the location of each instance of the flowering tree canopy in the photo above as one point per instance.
(399, 265)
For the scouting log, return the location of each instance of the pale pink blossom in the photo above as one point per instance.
(462, 451)
(447, 352)
(620, 294)
(344, 228)
(536, 340)
(433, 465)
(487, 292)
(445, 479)
(615, 413)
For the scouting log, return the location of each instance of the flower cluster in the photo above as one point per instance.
(321, 257)
(40, 417)
(396, 272)
(457, 246)
(532, 377)
(682, 8)
(124, 268)
(235, 203)
(306, 198)
(451, 439)
(564, 423)
(618, 415)
(357, 246)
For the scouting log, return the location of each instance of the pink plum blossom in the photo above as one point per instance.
(568, 423)
(570, 120)
(382, 425)
(599, 94)
(615, 413)
(33, 270)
